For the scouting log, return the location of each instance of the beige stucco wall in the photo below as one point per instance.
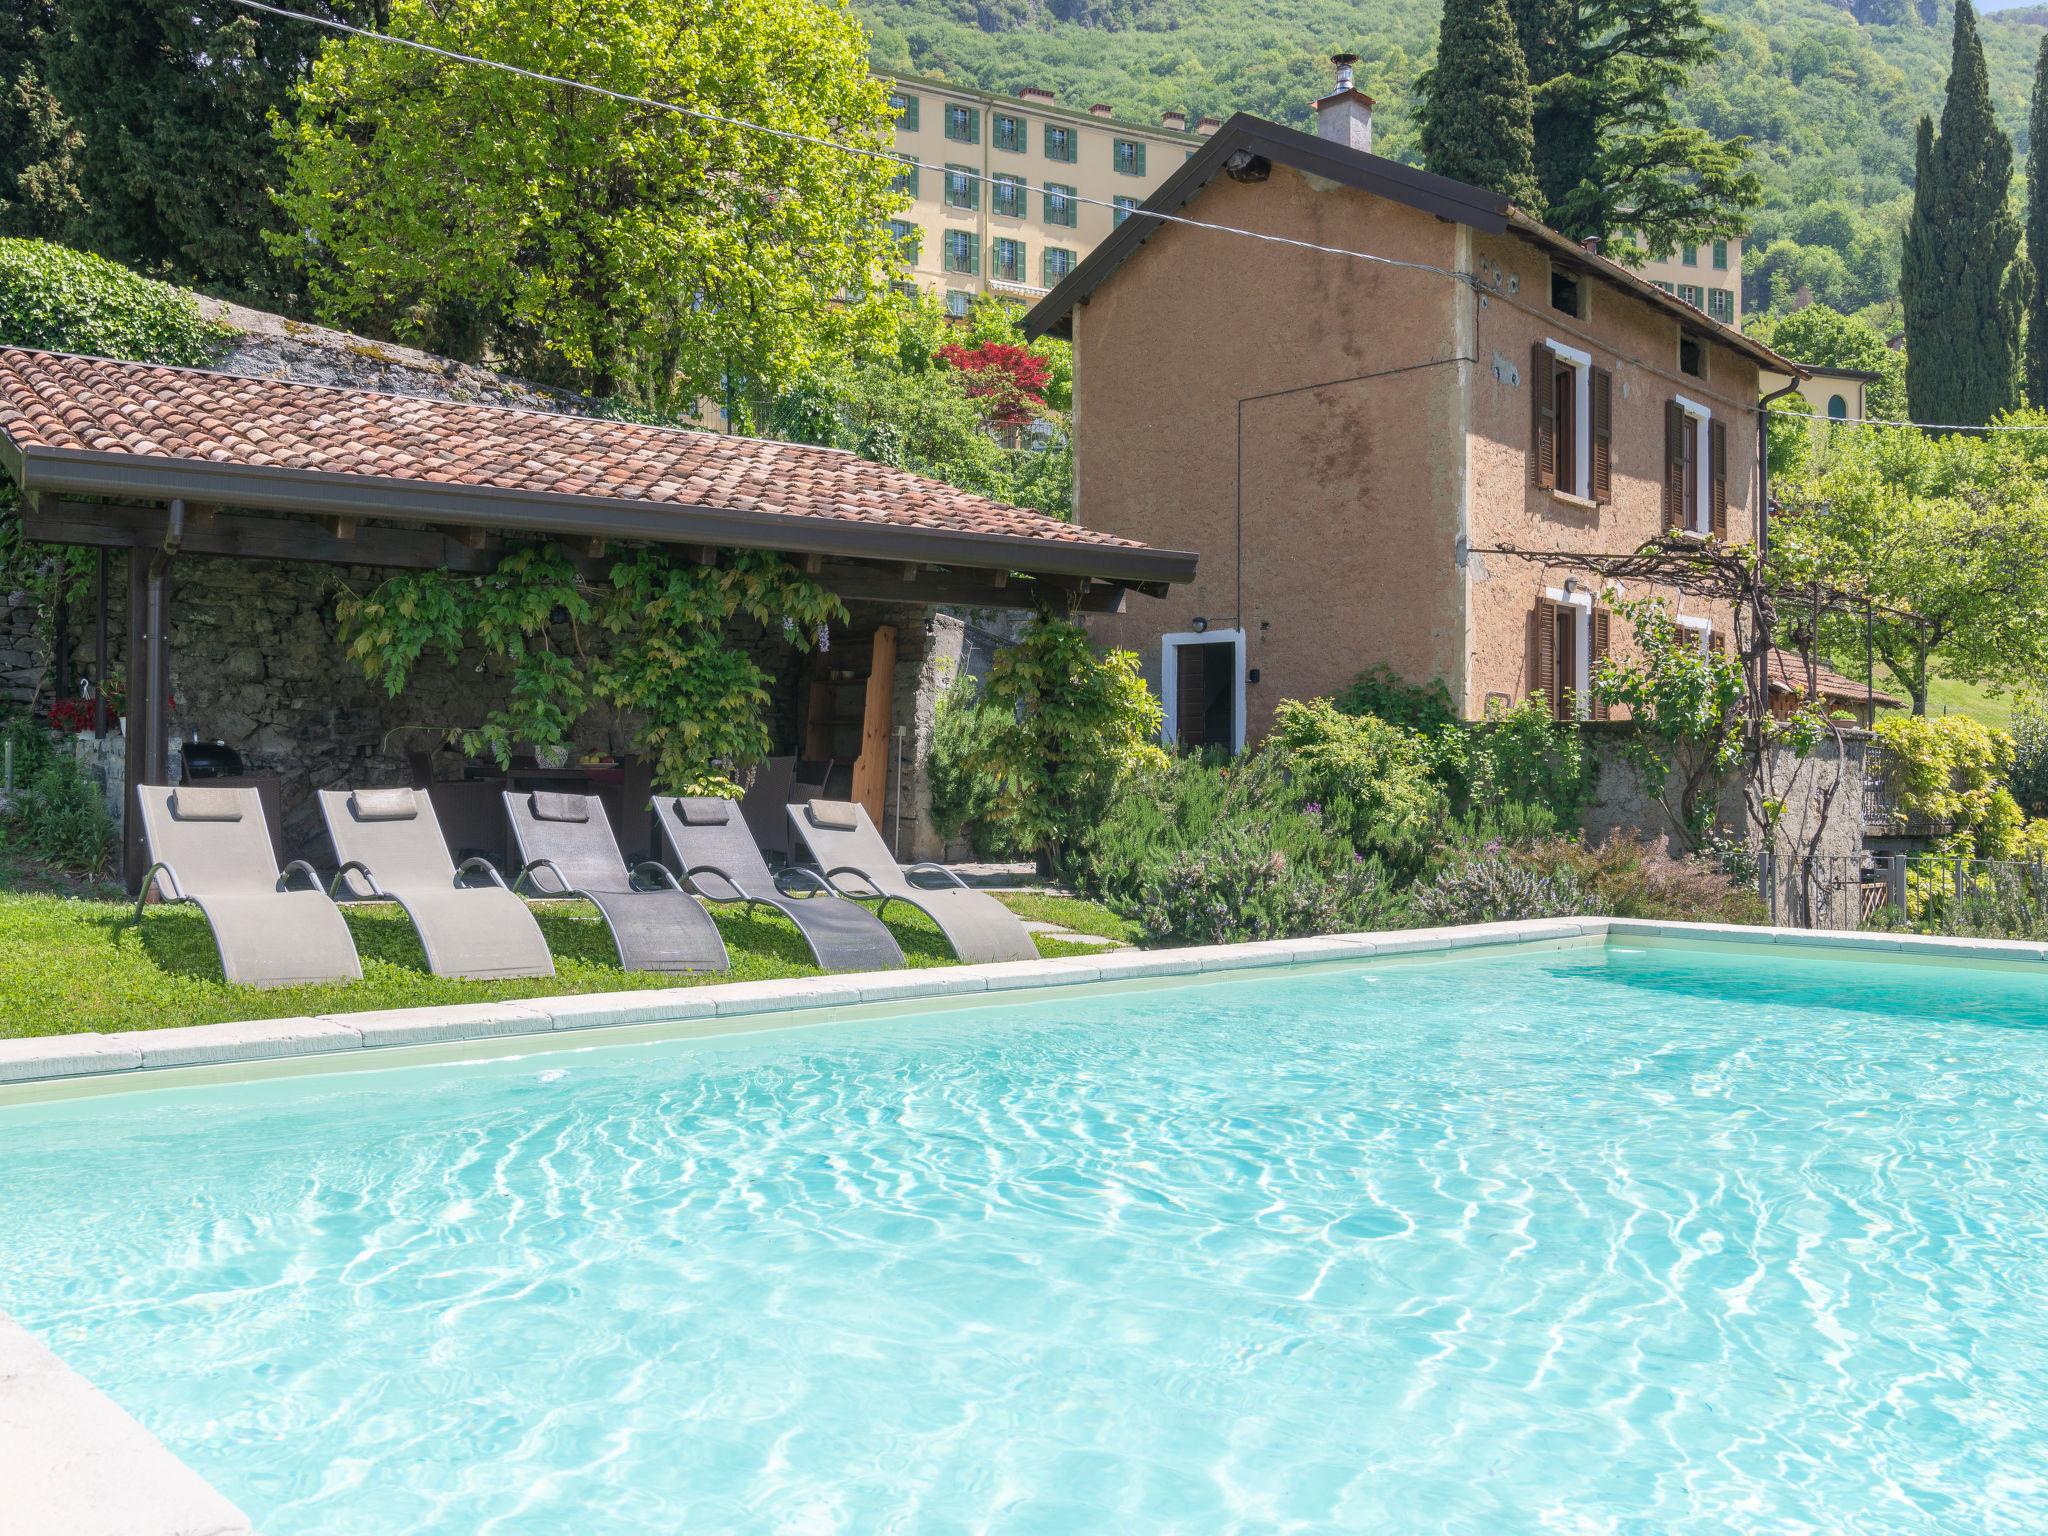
(1347, 378)
(1371, 424)
(1639, 345)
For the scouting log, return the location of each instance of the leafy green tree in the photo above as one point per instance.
(1962, 290)
(1828, 338)
(1612, 156)
(39, 144)
(1476, 123)
(175, 161)
(2037, 236)
(905, 406)
(1950, 529)
(600, 244)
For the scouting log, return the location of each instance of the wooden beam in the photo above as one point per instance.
(910, 569)
(244, 536)
(814, 565)
(472, 538)
(200, 514)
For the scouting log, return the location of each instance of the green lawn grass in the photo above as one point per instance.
(69, 963)
(1946, 696)
(1073, 914)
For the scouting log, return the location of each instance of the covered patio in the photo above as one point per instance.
(167, 466)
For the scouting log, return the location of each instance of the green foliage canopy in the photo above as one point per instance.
(606, 246)
(1476, 107)
(1952, 529)
(1960, 288)
(695, 699)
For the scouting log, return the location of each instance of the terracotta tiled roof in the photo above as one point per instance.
(53, 401)
(1788, 675)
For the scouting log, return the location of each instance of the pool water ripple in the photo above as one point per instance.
(1581, 1243)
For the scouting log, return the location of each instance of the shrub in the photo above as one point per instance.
(1946, 770)
(1238, 888)
(1381, 694)
(1370, 781)
(1068, 725)
(2028, 778)
(964, 800)
(56, 815)
(1495, 887)
(72, 301)
(1628, 876)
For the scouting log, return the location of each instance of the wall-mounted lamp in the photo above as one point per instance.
(1201, 626)
(1571, 585)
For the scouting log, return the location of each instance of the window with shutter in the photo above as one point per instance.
(1689, 474)
(1674, 467)
(1543, 427)
(1603, 435)
(1546, 653)
(1602, 622)
(1717, 438)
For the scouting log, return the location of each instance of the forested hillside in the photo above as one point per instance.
(1829, 93)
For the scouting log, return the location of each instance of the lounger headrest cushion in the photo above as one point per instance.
(206, 805)
(383, 805)
(704, 810)
(548, 806)
(836, 815)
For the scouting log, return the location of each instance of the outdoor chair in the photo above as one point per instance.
(765, 806)
(567, 850)
(211, 847)
(389, 845)
(844, 844)
(721, 862)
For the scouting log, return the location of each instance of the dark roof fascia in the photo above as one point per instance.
(86, 472)
(1431, 194)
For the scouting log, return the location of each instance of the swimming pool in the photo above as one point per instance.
(1621, 1240)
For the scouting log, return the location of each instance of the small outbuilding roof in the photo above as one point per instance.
(90, 427)
(1787, 671)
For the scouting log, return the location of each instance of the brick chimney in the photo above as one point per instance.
(1100, 109)
(1036, 93)
(1208, 125)
(1176, 122)
(1345, 115)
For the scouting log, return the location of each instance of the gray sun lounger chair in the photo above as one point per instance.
(566, 849)
(843, 843)
(721, 863)
(388, 843)
(211, 847)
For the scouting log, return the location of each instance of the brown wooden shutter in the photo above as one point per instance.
(1603, 435)
(1718, 474)
(1543, 419)
(1602, 620)
(1674, 467)
(1546, 652)
(1717, 642)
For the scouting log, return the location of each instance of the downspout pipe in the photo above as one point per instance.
(1763, 467)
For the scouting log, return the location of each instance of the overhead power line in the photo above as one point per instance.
(790, 135)
(1924, 426)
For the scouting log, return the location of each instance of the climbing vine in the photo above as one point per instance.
(649, 640)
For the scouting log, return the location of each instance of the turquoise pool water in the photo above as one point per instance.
(1654, 1242)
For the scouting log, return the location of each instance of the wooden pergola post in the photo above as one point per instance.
(149, 684)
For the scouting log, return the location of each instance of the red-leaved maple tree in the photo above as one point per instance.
(1007, 381)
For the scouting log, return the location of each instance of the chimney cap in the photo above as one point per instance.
(1100, 109)
(1209, 125)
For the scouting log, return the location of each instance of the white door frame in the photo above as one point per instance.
(1169, 679)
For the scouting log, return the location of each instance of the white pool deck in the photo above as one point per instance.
(75, 1464)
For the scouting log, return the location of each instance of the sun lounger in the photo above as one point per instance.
(211, 847)
(844, 844)
(567, 849)
(721, 863)
(388, 843)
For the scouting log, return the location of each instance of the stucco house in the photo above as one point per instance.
(1348, 435)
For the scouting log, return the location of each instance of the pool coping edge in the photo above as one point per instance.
(89, 1054)
(78, 1463)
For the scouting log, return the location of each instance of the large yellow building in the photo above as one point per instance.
(1009, 194)
(1708, 277)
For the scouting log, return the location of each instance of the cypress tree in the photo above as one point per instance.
(2037, 237)
(1957, 283)
(1476, 108)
